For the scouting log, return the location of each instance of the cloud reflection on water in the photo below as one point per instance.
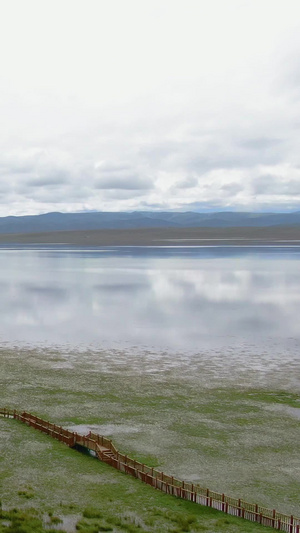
(173, 302)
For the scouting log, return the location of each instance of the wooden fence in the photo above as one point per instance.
(107, 452)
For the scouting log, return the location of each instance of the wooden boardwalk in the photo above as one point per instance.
(105, 451)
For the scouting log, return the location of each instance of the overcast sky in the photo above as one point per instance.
(149, 104)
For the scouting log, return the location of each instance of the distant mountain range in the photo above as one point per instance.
(50, 222)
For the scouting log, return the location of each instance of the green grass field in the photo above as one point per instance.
(41, 479)
(241, 440)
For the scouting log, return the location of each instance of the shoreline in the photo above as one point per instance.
(159, 237)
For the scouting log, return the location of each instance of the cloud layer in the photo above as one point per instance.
(149, 105)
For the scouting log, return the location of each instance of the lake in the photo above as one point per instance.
(170, 298)
(241, 299)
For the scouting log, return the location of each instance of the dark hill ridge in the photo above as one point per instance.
(51, 222)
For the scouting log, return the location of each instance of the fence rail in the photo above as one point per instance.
(106, 451)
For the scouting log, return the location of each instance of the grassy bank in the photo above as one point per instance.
(51, 486)
(156, 236)
(169, 412)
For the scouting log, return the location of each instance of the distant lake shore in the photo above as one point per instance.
(160, 236)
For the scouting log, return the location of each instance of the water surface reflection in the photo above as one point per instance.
(183, 299)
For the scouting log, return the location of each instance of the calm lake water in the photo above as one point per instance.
(180, 299)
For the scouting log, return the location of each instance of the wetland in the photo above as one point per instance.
(187, 357)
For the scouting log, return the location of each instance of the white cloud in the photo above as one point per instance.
(123, 105)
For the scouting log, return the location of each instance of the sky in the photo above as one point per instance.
(129, 105)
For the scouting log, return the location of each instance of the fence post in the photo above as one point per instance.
(292, 522)
(279, 524)
(273, 518)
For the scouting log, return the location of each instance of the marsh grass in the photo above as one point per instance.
(172, 519)
(276, 397)
(234, 439)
